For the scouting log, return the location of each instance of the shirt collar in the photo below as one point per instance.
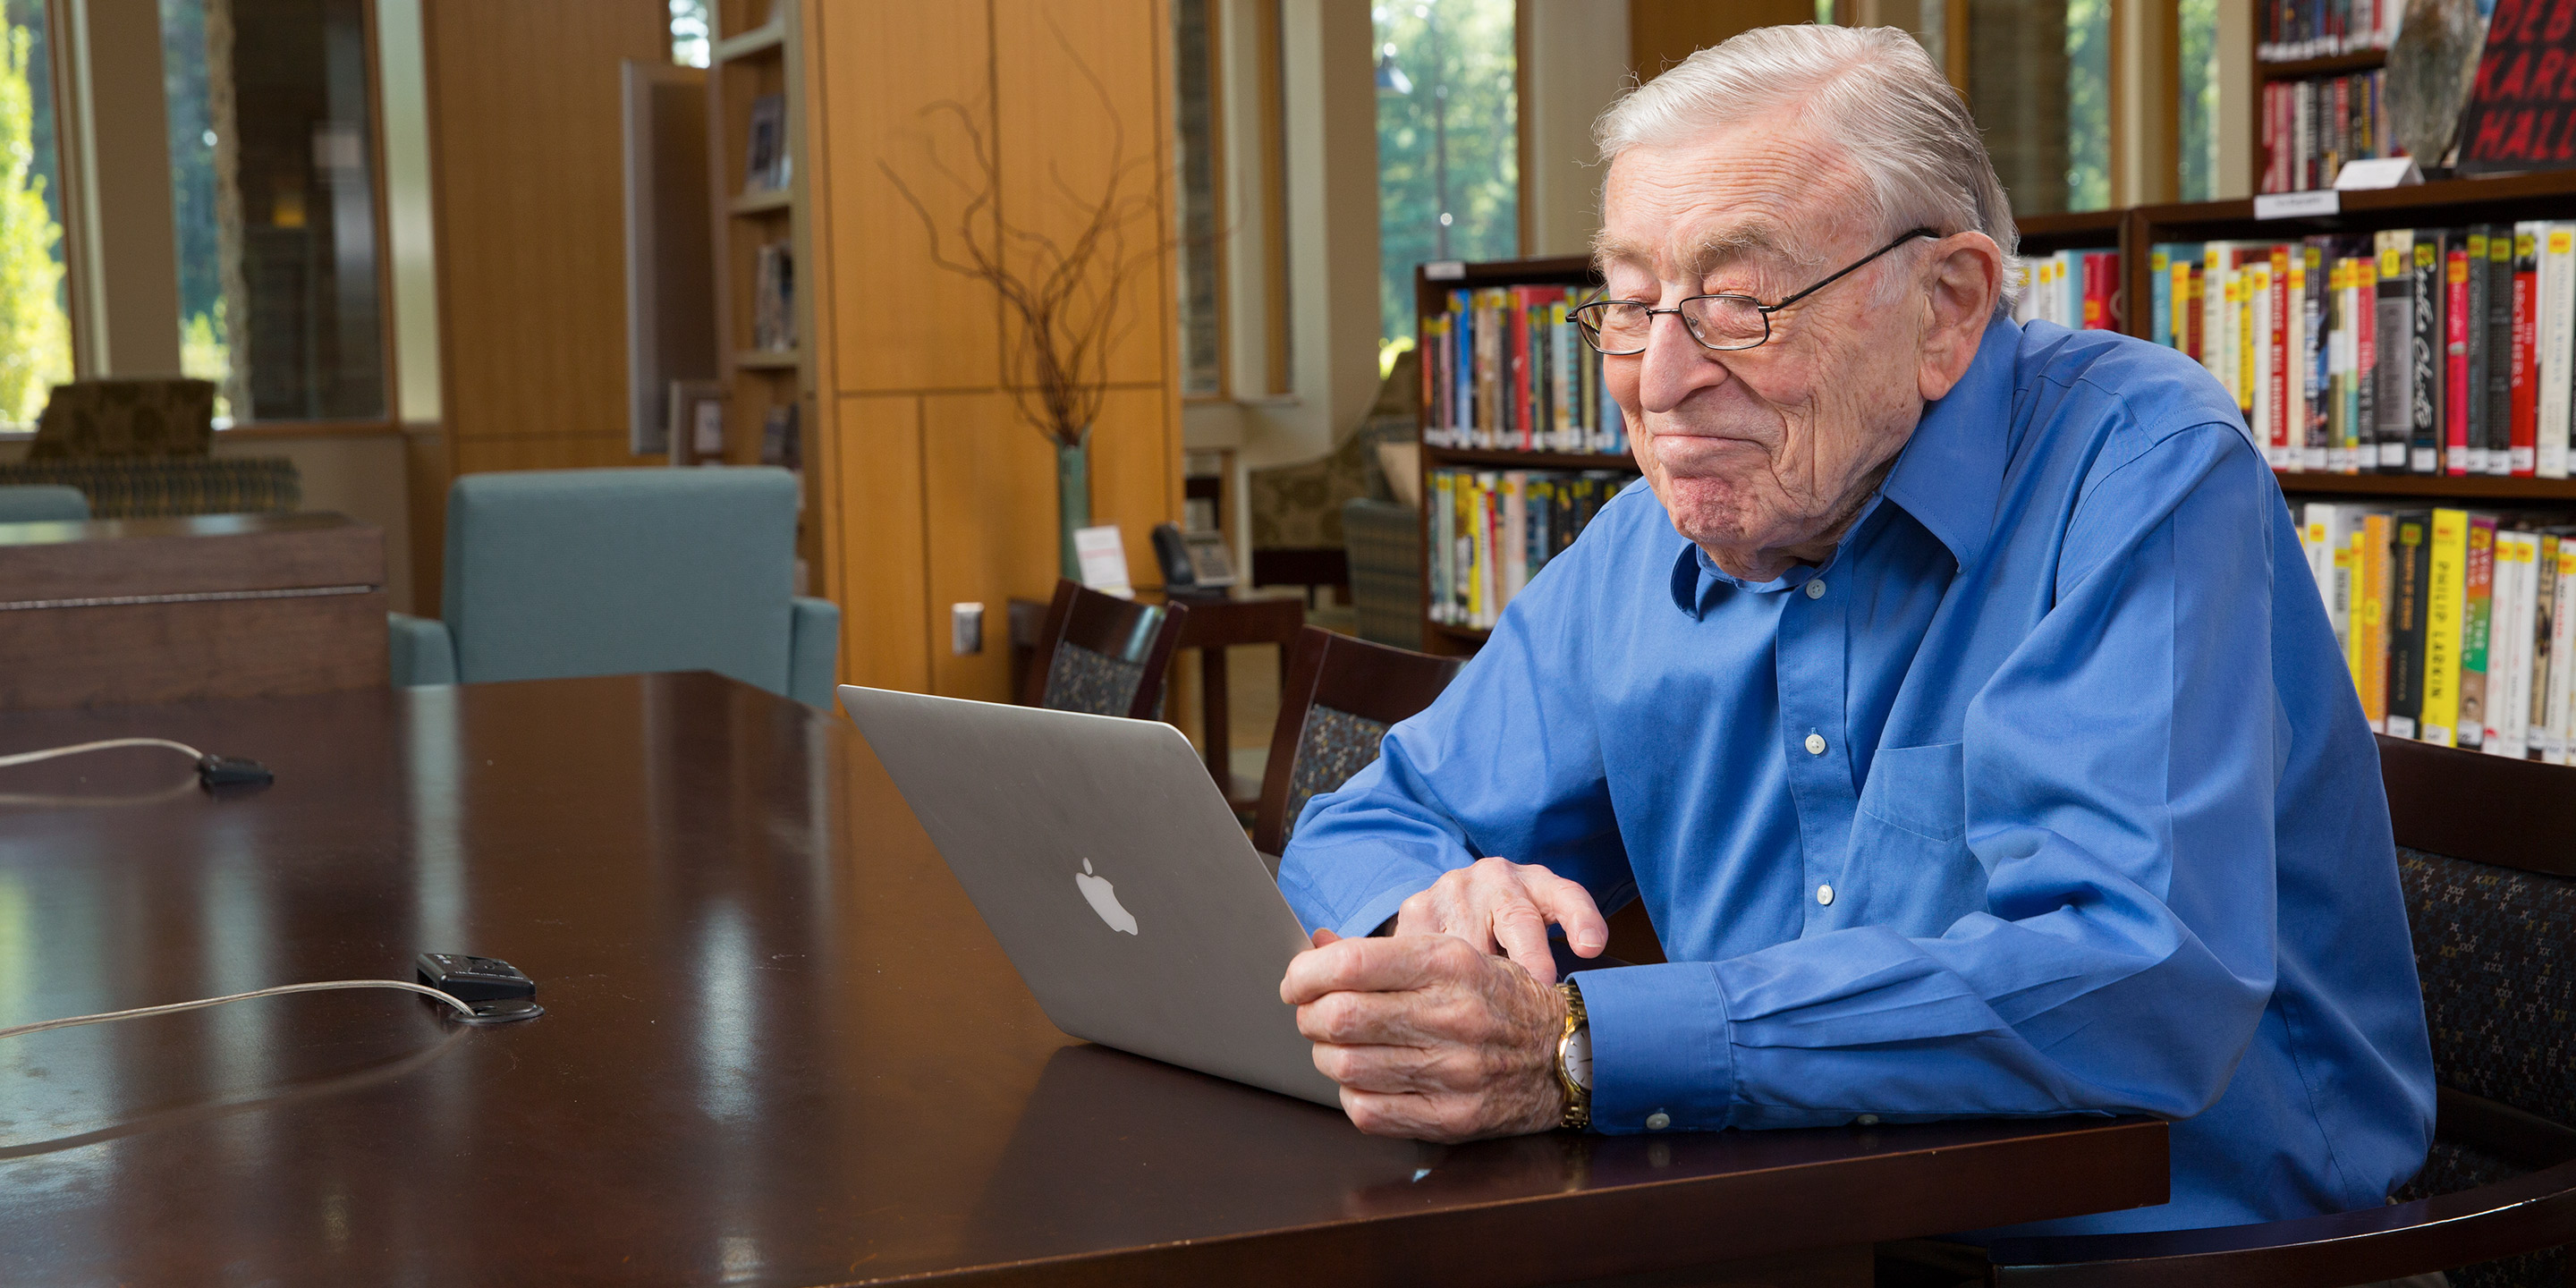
(1952, 470)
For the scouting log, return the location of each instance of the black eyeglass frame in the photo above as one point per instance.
(1592, 334)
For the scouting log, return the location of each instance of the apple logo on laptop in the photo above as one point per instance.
(1103, 899)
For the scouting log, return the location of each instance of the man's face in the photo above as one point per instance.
(1760, 454)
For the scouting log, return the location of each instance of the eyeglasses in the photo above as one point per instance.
(1724, 323)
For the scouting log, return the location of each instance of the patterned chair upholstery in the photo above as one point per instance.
(89, 420)
(1333, 745)
(2491, 902)
(1299, 507)
(2496, 949)
(1342, 697)
(1097, 684)
(170, 486)
(137, 449)
(1102, 655)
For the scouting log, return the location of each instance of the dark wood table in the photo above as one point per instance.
(779, 1048)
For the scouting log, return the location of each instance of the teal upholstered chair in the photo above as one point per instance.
(554, 573)
(43, 505)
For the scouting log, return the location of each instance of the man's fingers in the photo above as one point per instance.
(1569, 905)
(1521, 929)
(1323, 937)
(1359, 965)
(1392, 1070)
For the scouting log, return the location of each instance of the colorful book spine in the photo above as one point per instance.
(2477, 620)
(2523, 434)
(2499, 386)
(2408, 571)
(2460, 374)
(2447, 575)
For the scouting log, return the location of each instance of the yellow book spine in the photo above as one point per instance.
(2370, 631)
(2246, 393)
(2445, 598)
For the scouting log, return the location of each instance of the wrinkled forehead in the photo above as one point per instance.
(1766, 197)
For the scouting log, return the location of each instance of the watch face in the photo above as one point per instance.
(1577, 1055)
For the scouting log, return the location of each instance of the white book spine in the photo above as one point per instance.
(2314, 543)
(2557, 344)
(2509, 645)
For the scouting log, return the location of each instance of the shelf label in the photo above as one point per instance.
(2297, 205)
(1444, 270)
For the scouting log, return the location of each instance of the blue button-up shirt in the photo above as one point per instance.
(2048, 792)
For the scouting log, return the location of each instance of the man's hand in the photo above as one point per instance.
(1498, 905)
(1430, 1038)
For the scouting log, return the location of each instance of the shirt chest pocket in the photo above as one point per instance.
(1921, 790)
(1910, 867)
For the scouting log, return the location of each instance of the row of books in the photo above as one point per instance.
(1504, 369)
(2078, 289)
(2296, 29)
(773, 299)
(1492, 530)
(2455, 623)
(2423, 351)
(2311, 127)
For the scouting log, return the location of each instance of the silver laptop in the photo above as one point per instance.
(1110, 868)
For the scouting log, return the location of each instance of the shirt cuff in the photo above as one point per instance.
(1661, 1059)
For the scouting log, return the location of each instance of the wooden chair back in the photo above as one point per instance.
(1342, 695)
(1102, 655)
(2484, 853)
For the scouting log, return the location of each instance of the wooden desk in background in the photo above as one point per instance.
(125, 611)
(779, 1049)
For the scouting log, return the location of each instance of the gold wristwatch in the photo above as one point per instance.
(1574, 1060)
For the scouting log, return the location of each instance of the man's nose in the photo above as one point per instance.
(1675, 365)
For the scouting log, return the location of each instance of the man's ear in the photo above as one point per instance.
(1965, 276)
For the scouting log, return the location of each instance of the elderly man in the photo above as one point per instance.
(1953, 694)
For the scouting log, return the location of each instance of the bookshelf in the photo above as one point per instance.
(756, 53)
(1432, 283)
(2364, 60)
(2441, 204)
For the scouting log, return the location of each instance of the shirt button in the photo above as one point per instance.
(1658, 1120)
(1815, 744)
(1816, 588)
(1825, 894)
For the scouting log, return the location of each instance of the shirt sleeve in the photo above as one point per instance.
(2121, 767)
(1504, 764)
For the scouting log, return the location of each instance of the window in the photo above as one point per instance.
(689, 33)
(1202, 304)
(1448, 145)
(2039, 83)
(2198, 128)
(273, 183)
(35, 322)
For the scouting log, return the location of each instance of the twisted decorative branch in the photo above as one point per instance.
(1066, 296)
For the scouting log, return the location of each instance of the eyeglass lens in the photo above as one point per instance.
(1716, 321)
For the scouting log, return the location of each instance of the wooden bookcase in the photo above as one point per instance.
(757, 51)
(2444, 204)
(1430, 298)
(2361, 60)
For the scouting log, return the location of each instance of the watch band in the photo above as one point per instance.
(1578, 1097)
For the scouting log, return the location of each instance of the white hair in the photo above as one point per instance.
(1870, 91)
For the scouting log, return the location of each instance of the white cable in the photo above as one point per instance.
(171, 1007)
(28, 757)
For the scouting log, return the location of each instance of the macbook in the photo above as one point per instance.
(1113, 873)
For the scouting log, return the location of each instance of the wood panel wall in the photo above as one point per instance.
(527, 164)
(1664, 32)
(934, 491)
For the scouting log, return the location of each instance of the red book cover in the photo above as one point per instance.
(2455, 383)
(2092, 320)
(2526, 357)
(2286, 435)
